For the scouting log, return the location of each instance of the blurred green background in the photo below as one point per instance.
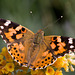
(37, 14)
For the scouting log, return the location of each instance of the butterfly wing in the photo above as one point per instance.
(20, 41)
(62, 45)
(52, 48)
(11, 31)
(15, 36)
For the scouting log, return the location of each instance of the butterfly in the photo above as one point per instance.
(33, 49)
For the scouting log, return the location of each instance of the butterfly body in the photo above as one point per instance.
(33, 49)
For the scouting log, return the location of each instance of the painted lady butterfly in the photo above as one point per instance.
(33, 49)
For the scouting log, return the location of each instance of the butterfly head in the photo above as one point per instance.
(38, 37)
(40, 32)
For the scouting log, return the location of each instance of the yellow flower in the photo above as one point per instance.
(16, 64)
(41, 72)
(71, 68)
(58, 72)
(3, 63)
(49, 70)
(21, 73)
(1, 59)
(66, 67)
(8, 57)
(6, 54)
(25, 69)
(4, 70)
(71, 60)
(37, 72)
(34, 72)
(1, 72)
(61, 63)
(10, 67)
(9, 73)
(4, 50)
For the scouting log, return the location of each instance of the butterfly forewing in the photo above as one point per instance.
(15, 36)
(11, 31)
(63, 45)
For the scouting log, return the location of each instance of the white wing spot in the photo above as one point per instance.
(71, 46)
(8, 44)
(2, 36)
(5, 41)
(1, 27)
(18, 62)
(70, 40)
(24, 66)
(15, 60)
(7, 23)
(9, 52)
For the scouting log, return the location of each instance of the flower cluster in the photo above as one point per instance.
(6, 62)
(10, 67)
(65, 62)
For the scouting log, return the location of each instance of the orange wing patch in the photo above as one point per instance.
(60, 49)
(60, 45)
(14, 34)
(53, 45)
(18, 36)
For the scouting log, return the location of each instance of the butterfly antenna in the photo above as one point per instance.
(53, 23)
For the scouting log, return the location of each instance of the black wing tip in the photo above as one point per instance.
(2, 20)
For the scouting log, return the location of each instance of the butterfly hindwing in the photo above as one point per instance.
(17, 51)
